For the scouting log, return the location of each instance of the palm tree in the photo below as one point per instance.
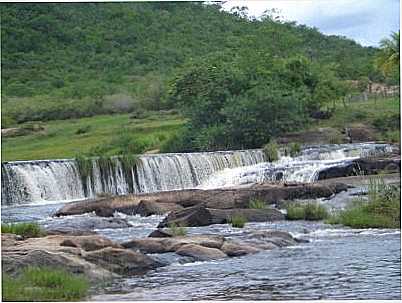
(388, 58)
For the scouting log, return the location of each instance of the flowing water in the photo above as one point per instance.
(336, 263)
(48, 181)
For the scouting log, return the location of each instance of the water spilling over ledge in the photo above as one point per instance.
(63, 180)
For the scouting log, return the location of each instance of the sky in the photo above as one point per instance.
(365, 21)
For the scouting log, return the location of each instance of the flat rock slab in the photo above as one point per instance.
(225, 198)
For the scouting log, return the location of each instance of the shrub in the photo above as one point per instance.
(311, 211)
(177, 230)
(237, 221)
(256, 204)
(381, 210)
(271, 151)
(44, 284)
(27, 230)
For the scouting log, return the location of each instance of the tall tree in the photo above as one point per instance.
(388, 58)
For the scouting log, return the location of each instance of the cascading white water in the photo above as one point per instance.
(40, 181)
(303, 168)
(60, 180)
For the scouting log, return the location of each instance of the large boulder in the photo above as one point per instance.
(165, 245)
(200, 253)
(202, 216)
(363, 166)
(122, 261)
(13, 262)
(233, 249)
(89, 243)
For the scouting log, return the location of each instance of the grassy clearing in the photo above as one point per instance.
(381, 210)
(237, 221)
(44, 284)
(176, 230)
(27, 230)
(68, 138)
(311, 211)
(381, 114)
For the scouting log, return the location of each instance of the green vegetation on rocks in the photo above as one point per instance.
(44, 284)
(382, 209)
(256, 204)
(311, 211)
(177, 230)
(271, 151)
(237, 221)
(26, 230)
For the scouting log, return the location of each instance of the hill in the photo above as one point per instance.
(73, 60)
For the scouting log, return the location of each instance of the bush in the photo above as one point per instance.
(256, 204)
(311, 211)
(271, 151)
(44, 284)
(27, 230)
(176, 230)
(237, 221)
(382, 210)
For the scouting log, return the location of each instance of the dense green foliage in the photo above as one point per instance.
(311, 211)
(382, 209)
(44, 284)
(70, 60)
(27, 230)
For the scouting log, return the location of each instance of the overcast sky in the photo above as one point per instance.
(365, 21)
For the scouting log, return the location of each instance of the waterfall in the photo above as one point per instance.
(302, 168)
(62, 180)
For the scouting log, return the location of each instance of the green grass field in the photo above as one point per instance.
(60, 139)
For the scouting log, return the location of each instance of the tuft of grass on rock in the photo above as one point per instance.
(381, 210)
(27, 230)
(271, 151)
(44, 284)
(311, 211)
(237, 221)
(177, 230)
(256, 204)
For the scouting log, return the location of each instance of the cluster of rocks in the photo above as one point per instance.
(99, 258)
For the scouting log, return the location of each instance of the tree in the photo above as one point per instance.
(388, 58)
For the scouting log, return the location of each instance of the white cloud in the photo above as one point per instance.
(366, 21)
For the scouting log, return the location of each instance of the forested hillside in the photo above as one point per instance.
(112, 56)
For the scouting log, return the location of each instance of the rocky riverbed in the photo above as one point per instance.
(270, 258)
